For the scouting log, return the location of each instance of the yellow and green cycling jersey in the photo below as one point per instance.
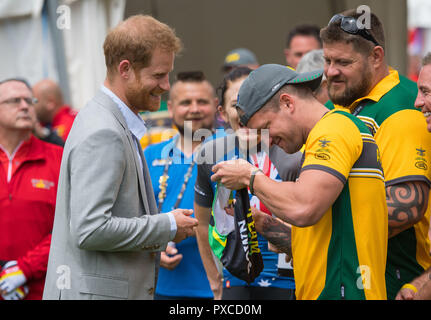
(405, 146)
(343, 256)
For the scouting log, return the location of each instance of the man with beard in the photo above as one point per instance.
(107, 235)
(360, 81)
(192, 106)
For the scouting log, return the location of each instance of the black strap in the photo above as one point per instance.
(360, 107)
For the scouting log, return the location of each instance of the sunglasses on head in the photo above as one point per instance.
(350, 25)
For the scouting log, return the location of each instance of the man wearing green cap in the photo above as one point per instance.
(337, 206)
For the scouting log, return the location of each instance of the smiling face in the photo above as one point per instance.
(423, 100)
(348, 73)
(144, 87)
(192, 101)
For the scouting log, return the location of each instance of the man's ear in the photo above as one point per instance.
(125, 68)
(287, 101)
(378, 56)
(222, 113)
(169, 107)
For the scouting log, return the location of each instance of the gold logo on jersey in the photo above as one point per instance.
(421, 161)
(322, 156)
(323, 152)
(42, 184)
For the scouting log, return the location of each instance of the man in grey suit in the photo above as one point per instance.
(107, 235)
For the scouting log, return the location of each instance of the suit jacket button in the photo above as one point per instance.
(151, 291)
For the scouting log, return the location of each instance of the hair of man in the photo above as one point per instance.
(426, 59)
(135, 40)
(307, 30)
(334, 33)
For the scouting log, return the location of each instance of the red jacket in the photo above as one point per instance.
(27, 206)
(63, 121)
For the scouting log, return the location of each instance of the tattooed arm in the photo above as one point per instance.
(276, 231)
(407, 203)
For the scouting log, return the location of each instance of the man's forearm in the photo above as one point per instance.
(203, 215)
(213, 274)
(276, 232)
(407, 203)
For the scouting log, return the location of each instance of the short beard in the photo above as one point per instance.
(351, 94)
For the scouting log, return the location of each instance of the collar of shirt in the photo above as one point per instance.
(135, 123)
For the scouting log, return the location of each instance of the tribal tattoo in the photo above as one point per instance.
(277, 233)
(407, 203)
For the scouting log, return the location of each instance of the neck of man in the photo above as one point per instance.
(381, 73)
(313, 111)
(115, 87)
(10, 140)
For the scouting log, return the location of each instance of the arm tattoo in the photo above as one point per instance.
(407, 203)
(277, 233)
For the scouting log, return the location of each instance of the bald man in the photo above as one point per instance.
(51, 110)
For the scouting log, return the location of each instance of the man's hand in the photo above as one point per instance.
(277, 232)
(405, 294)
(18, 294)
(233, 174)
(170, 258)
(185, 224)
(11, 278)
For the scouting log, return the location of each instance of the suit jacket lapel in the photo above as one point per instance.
(147, 182)
(144, 179)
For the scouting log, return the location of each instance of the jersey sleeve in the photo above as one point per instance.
(405, 147)
(333, 145)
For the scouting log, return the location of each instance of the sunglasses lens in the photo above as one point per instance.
(348, 24)
(335, 19)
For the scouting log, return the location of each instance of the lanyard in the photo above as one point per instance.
(359, 108)
(163, 183)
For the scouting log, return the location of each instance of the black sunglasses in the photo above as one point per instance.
(350, 25)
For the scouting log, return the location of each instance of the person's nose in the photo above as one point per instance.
(331, 70)
(194, 107)
(164, 83)
(24, 103)
(419, 102)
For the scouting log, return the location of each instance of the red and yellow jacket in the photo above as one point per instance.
(28, 188)
(63, 121)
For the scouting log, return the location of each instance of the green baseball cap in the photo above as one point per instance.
(264, 82)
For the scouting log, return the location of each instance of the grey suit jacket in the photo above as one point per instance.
(107, 237)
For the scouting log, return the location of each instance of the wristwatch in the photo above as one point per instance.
(253, 174)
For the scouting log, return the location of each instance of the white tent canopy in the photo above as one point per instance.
(50, 38)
